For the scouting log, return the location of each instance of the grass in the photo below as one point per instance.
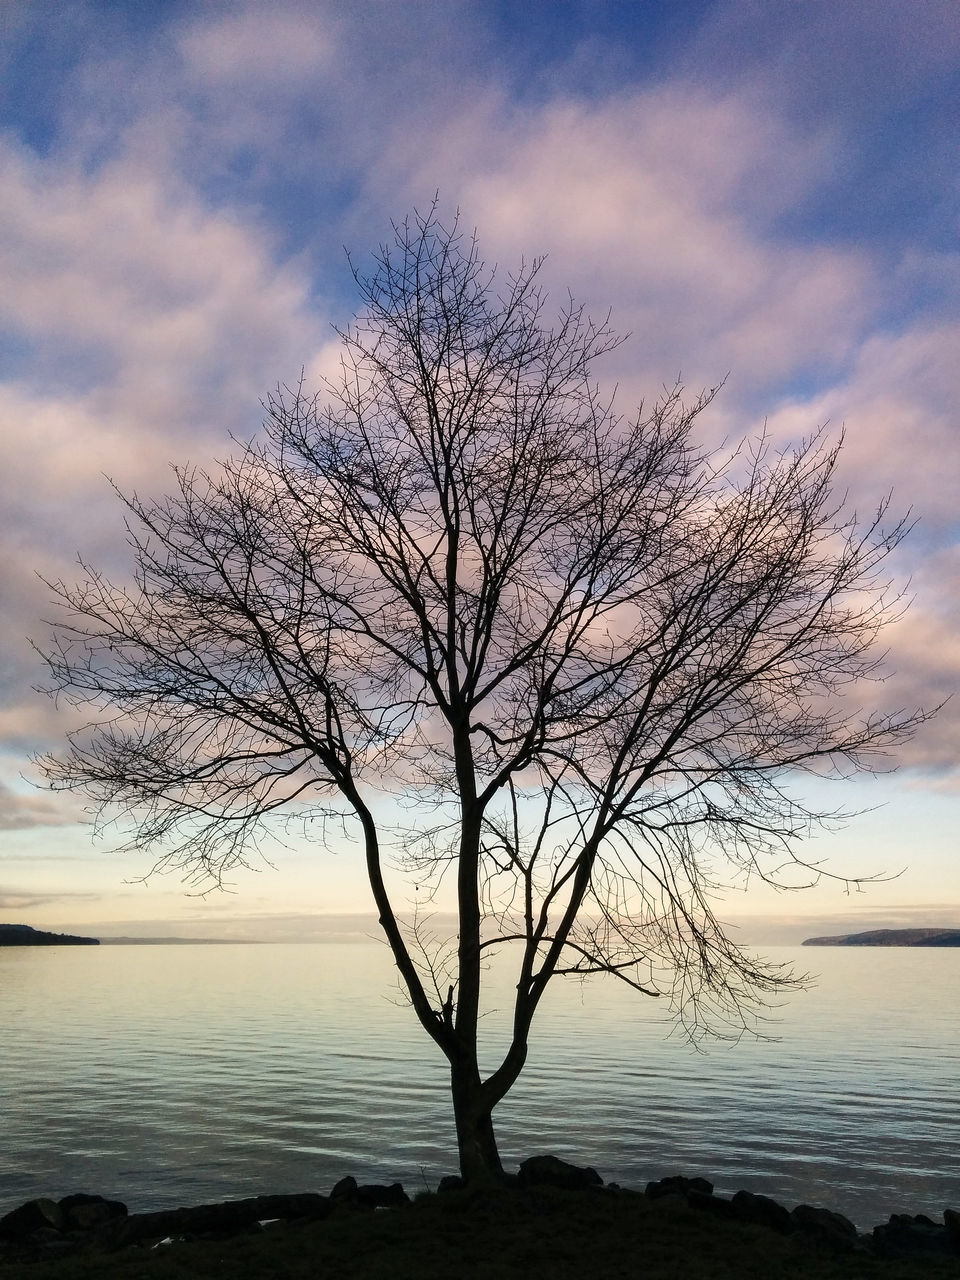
(493, 1235)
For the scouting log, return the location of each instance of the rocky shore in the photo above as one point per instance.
(89, 1228)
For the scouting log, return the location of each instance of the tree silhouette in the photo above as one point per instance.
(589, 655)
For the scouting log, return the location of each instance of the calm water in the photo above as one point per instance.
(171, 1075)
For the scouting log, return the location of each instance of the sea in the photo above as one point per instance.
(177, 1075)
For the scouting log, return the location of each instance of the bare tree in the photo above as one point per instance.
(591, 655)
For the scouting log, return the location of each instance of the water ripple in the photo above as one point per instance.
(162, 1074)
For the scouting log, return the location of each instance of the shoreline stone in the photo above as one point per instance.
(550, 1171)
(46, 1227)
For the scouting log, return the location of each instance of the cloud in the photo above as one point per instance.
(153, 326)
(924, 661)
(645, 202)
(898, 402)
(146, 273)
(20, 811)
(166, 307)
(11, 900)
(668, 203)
(277, 47)
(898, 406)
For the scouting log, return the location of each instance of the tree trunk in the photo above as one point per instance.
(476, 1140)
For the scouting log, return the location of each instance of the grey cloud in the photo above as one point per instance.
(12, 900)
(19, 812)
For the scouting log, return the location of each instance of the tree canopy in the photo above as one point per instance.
(591, 655)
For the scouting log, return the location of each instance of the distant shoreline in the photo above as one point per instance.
(891, 938)
(24, 935)
(164, 942)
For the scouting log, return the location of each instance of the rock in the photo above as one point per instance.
(697, 1193)
(115, 1234)
(911, 1237)
(376, 1196)
(693, 1192)
(678, 1186)
(823, 1226)
(372, 1195)
(230, 1218)
(84, 1212)
(204, 1219)
(761, 1210)
(951, 1220)
(48, 1242)
(35, 1215)
(550, 1171)
(306, 1204)
(345, 1187)
(451, 1182)
(715, 1205)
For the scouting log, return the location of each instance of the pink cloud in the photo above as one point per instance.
(660, 203)
(278, 46)
(161, 294)
(20, 810)
(898, 403)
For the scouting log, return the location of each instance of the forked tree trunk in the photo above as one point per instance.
(476, 1139)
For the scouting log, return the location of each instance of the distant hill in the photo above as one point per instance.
(22, 935)
(129, 941)
(891, 938)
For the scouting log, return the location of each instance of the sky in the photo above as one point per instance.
(762, 192)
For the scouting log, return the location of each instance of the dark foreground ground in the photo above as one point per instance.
(493, 1235)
